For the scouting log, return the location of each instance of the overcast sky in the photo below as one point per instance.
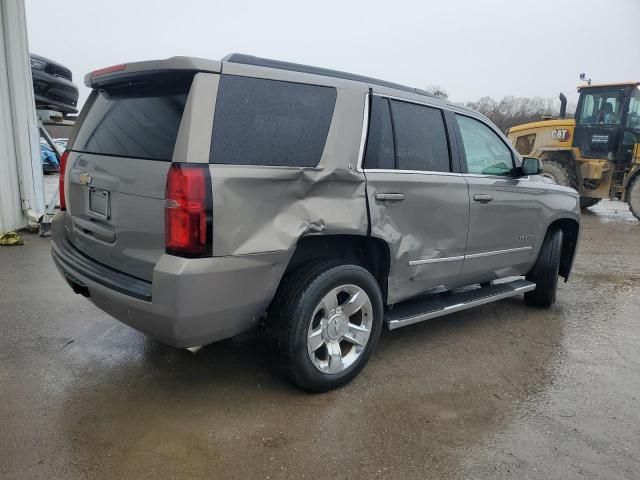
(472, 48)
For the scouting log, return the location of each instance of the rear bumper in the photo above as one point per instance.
(190, 302)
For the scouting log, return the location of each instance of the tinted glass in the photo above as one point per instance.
(601, 108)
(379, 152)
(138, 119)
(421, 139)
(485, 152)
(268, 122)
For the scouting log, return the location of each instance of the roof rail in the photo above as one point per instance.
(296, 67)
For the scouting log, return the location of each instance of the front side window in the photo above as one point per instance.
(485, 152)
(269, 122)
(601, 108)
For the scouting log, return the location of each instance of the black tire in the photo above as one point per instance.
(291, 312)
(633, 196)
(560, 171)
(564, 174)
(545, 271)
(586, 202)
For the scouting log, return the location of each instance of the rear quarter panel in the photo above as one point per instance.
(268, 208)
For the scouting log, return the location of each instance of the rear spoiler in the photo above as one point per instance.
(107, 75)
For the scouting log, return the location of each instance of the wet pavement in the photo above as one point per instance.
(502, 391)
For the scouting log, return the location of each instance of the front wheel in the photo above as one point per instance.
(324, 324)
(633, 197)
(560, 172)
(545, 271)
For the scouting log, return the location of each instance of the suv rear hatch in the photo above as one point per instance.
(117, 169)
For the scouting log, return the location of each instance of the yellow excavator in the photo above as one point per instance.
(598, 152)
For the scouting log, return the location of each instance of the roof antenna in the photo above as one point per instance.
(583, 77)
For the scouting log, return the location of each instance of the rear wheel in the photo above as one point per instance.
(633, 196)
(324, 324)
(545, 271)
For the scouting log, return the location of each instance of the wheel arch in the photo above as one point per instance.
(369, 252)
(570, 237)
(633, 175)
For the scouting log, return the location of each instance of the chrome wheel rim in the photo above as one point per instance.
(340, 328)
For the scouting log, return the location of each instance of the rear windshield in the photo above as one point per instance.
(138, 118)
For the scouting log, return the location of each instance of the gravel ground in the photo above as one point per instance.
(502, 391)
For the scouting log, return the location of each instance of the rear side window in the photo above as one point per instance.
(380, 150)
(269, 122)
(420, 137)
(138, 118)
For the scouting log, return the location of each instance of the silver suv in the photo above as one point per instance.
(201, 198)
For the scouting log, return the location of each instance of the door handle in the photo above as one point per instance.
(483, 197)
(390, 197)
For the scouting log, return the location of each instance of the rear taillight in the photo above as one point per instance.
(63, 168)
(188, 210)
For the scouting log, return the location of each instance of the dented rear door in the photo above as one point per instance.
(418, 205)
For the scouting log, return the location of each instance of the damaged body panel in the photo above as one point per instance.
(262, 208)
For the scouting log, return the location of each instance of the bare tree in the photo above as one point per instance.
(439, 91)
(510, 111)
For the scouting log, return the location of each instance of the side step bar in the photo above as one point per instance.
(414, 311)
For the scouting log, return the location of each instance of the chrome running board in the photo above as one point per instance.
(414, 311)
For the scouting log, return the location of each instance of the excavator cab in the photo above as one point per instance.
(608, 122)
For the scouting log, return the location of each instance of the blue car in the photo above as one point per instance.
(49, 159)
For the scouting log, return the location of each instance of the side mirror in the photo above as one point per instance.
(531, 166)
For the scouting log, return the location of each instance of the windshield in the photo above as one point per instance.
(602, 108)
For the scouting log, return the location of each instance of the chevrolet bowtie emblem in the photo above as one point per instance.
(85, 179)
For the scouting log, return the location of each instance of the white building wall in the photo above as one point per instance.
(21, 187)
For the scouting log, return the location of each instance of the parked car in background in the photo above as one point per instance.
(48, 158)
(199, 197)
(53, 85)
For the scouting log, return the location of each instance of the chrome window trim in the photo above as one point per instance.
(482, 175)
(365, 133)
(465, 256)
(400, 99)
(419, 172)
(503, 138)
(455, 111)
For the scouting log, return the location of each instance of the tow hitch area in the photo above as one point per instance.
(77, 286)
